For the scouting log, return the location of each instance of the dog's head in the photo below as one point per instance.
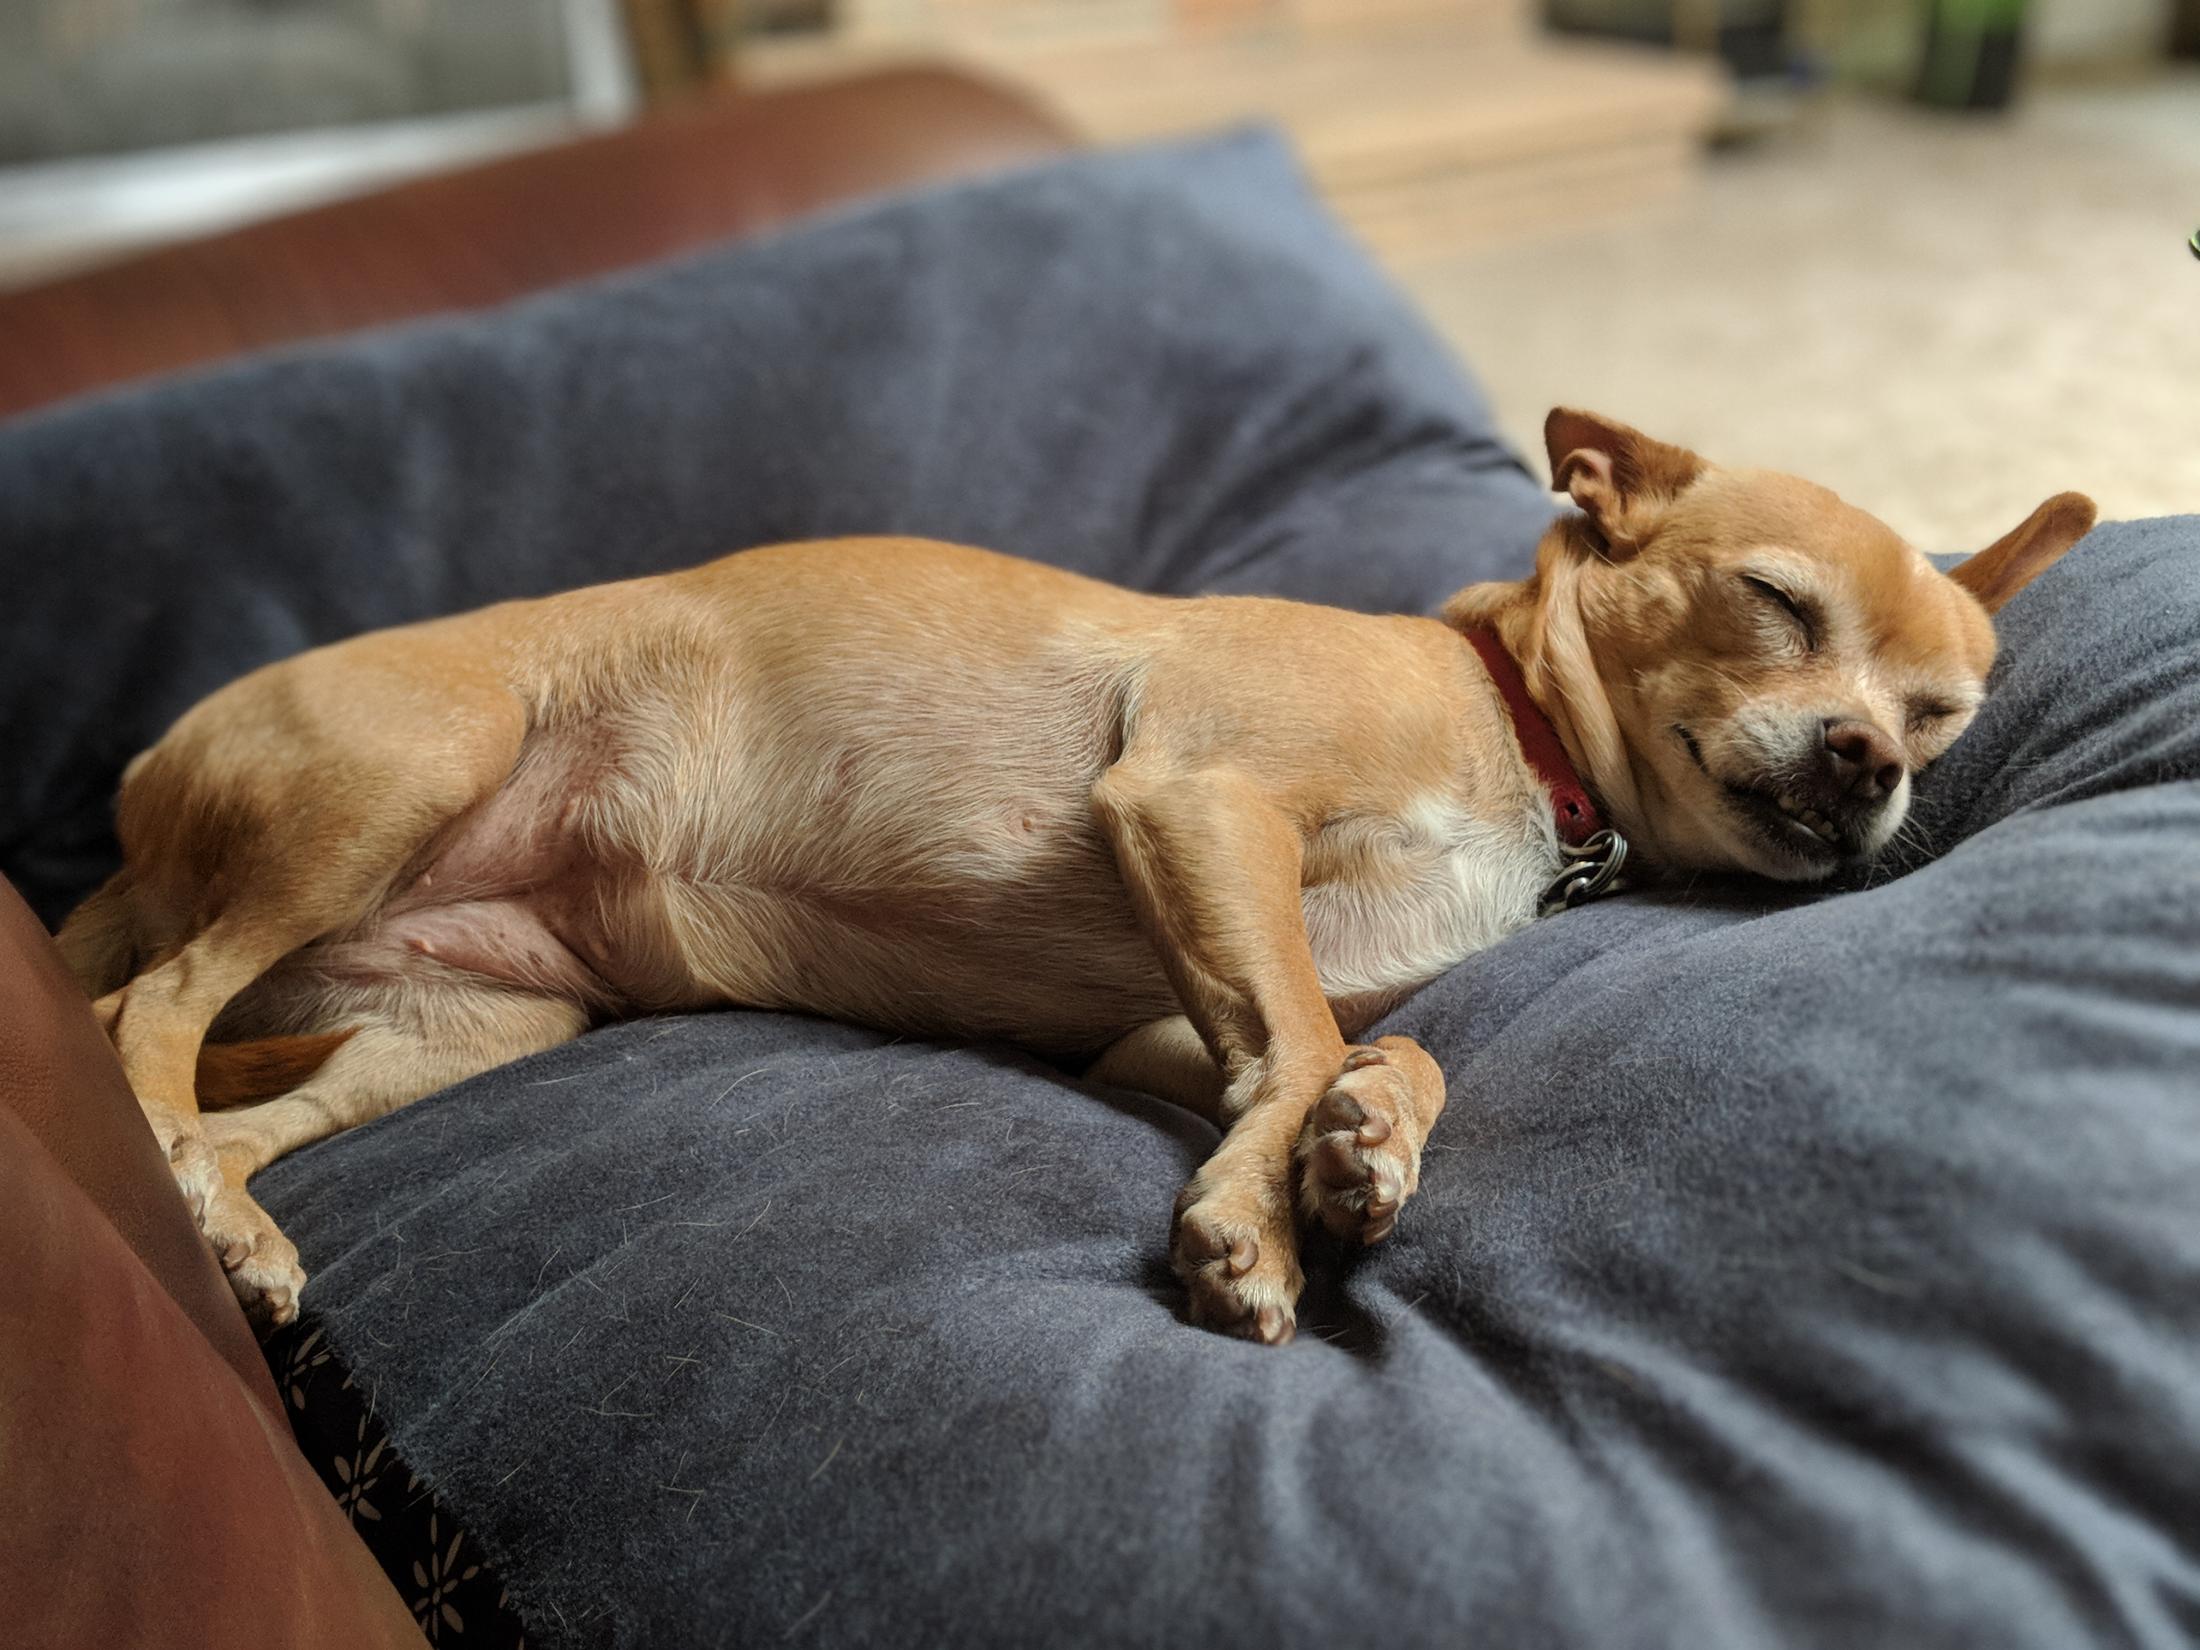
(1748, 670)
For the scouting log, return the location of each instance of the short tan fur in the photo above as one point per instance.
(1203, 843)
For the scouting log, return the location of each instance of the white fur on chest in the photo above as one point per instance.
(1397, 899)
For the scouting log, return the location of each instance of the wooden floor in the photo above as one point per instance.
(1943, 319)
(1430, 139)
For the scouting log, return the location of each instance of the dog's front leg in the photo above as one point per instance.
(1212, 866)
(1359, 1155)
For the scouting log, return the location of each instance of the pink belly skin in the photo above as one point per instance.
(506, 892)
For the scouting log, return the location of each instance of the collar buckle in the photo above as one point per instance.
(1592, 867)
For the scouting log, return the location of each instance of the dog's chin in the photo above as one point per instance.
(1782, 835)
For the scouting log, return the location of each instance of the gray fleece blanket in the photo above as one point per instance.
(1787, 1270)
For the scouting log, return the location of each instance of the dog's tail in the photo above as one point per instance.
(98, 941)
(230, 1074)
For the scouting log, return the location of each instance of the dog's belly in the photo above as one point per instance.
(830, 847)
(1058, 965)
(1013, 922)
(1002, 919)
(869, 892)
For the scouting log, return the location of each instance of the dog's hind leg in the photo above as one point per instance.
(97, 943)
(429, 1038)
(279, 810)
(1170, 1059)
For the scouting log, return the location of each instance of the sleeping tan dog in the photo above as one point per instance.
(1204, 842)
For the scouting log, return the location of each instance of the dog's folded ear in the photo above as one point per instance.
(1620, 476)
(2017, 558)
(1480, 604)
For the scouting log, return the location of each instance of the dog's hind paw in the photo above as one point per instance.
(261, 1264)
(268, 1290)
(198, 1172)
(1359, 1156)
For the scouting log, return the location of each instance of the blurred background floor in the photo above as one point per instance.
(1943, 318)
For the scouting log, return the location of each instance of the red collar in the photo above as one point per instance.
(1578, 818)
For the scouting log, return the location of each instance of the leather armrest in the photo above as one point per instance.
(149, 1498)
(732, 165)
(60, 1079)
(150, 1490)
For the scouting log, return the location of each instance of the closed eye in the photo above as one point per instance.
(1803, 615)
(1924, 713)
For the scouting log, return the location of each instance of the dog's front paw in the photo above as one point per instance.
(1359, 1156)
(261, 1264)
(1239, 1259)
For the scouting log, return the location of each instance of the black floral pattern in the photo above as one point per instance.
(455, 1596)
(442, 1578)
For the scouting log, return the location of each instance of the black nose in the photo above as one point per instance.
(1861, 761)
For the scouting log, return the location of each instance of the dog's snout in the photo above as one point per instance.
(1862, 761)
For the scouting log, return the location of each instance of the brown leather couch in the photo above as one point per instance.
(730, 165)
(150, 1491)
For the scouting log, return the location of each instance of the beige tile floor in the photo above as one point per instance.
(1943, 318)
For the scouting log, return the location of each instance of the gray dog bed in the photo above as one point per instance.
(1788, 1269)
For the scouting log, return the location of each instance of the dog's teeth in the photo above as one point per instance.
(1810, 819)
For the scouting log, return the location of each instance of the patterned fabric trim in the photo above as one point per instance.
(455, 1596)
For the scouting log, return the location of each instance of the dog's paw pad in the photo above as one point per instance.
(268, 1292)
(1240, 1280)
(197, 1171)
(1358, 1161)
(261, 1264)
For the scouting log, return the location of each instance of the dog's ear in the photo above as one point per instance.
(1620, 476)
(2013, 561)
(1479, 604)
